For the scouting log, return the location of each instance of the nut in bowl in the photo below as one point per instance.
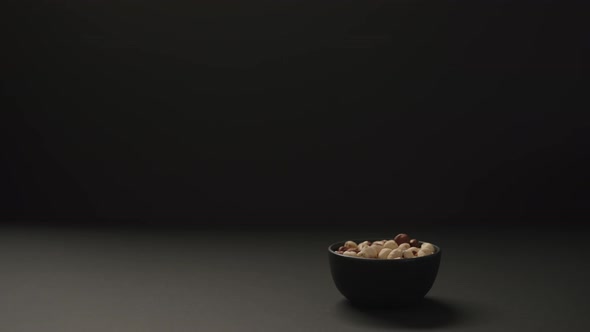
(381, 273)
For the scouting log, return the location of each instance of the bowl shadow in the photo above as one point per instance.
(427, 314)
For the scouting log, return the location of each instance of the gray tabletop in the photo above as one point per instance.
(129, 280)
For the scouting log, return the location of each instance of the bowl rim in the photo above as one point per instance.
(437, 252)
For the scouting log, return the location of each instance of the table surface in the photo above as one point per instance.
(68, 279)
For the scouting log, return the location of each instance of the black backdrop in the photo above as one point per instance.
(294, 111)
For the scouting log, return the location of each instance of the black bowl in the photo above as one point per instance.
(383, 282)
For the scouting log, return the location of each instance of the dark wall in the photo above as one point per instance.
(294, 111)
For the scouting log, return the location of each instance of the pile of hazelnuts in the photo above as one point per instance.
(399, 248)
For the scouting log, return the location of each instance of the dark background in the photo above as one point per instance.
(294, 112)
(267, 130)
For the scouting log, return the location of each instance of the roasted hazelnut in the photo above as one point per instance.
(398, 248)
(402, 238)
